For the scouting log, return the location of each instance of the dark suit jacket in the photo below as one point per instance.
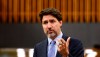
(75, 48)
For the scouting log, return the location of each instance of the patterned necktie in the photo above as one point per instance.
(51, 52)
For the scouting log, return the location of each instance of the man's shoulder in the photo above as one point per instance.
(72, 39)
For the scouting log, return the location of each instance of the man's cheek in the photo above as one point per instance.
(45, 31)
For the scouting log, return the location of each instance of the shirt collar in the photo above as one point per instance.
(58, 37)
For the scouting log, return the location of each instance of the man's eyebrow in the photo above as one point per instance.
(43, 20)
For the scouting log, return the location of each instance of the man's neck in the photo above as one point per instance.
(57, 36)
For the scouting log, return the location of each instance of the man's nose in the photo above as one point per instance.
(49, 25)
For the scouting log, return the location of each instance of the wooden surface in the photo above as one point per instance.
(26, 11)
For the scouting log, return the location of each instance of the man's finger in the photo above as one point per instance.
(63, 41)
(59, 41)
(68, 40)
(58, 48)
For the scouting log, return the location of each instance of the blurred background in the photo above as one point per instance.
(20, 27)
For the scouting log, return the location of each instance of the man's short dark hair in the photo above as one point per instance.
(50, 11)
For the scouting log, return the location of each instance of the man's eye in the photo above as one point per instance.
(52, 21)
(45, 22)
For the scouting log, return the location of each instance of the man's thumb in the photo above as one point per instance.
(68, 40)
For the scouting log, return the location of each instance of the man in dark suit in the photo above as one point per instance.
(63, 46)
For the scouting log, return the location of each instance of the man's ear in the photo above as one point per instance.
(60, 22)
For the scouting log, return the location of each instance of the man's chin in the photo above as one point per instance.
(53, 35)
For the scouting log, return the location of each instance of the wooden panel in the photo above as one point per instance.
(45, 3)
(76, 10)
(4, 11)
(15, 10)
(22, 13)
(34, 10)
(64, 9)
(93, 11)
(18, 4)
(58, 4)
(0, 11)
(87, 10)
(27, 10)
(70, 8)
(10, 11)
(98, 11)
(39, 8)
(52, 3)
(81, 11)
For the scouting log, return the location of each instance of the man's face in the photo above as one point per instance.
(51, 26)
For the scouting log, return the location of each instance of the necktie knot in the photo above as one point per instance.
(52, 42)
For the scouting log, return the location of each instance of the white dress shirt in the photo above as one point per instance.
(49, 40)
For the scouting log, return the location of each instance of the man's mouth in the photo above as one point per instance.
(49, 32)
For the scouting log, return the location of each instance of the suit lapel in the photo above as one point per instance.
(44, 49)
(64, 37)
(58, 54)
